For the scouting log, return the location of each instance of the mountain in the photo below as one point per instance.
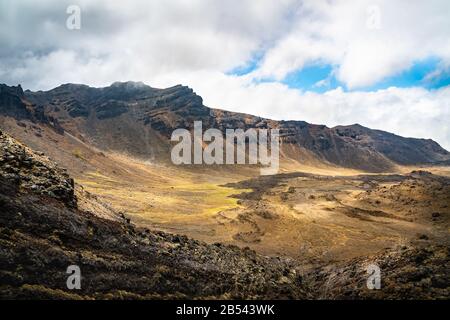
(136, 119)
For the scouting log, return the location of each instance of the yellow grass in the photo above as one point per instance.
(171, 198)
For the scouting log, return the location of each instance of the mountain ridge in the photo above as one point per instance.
(121, 116)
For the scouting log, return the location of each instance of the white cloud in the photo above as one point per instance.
(341, 33)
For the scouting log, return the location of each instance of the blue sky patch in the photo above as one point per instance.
(248, 67)
(320, 77)
(413, 77)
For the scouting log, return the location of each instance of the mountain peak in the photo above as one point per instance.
(11, 90)
(129, 85)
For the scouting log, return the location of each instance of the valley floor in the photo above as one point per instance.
(309, 217)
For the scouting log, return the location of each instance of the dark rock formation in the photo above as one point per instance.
(33, 173)
(14, 104)
(406, 273)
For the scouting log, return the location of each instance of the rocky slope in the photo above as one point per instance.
(34, 172)
(137, 119)
(407, 272)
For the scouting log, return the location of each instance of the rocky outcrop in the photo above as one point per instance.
(14, 104)
(31, 172)
(398, 149)
(11, 103)
(407, 272)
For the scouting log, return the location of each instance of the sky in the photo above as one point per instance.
(382, 64)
